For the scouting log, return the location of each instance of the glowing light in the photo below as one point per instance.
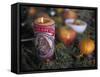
(41, 20)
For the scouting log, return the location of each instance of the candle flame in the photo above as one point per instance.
(41, 20)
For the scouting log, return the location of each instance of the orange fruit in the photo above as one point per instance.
(87, 46)
(67, 35)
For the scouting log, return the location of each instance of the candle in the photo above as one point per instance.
(44, 29)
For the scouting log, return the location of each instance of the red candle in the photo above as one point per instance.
(44, 29)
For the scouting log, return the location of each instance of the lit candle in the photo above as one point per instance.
(44, 29)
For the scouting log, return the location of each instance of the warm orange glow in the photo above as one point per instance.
(41, 20)
(68, 36)
(87, 46)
